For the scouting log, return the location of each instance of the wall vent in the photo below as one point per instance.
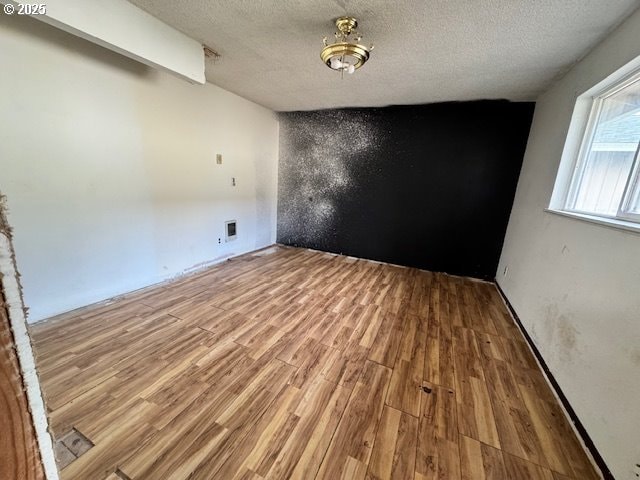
(230, 230)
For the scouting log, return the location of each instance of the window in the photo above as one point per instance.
(605, 181)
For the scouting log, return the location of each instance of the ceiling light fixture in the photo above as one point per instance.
(343, 55)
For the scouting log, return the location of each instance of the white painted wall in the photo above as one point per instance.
(576, 285)
(124, 28)
(109, 169)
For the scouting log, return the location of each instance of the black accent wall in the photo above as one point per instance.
(427, 186)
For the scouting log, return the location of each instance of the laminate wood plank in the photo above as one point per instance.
(406, 380)
(173, 371)
(235, 299)
(479, 461)
(420, 298)
(109, 413)
(438, 453)
(173, 399)
(142, 344)
(318, 355)
(546, 424)
(281, 316)
(468, 362)
(249, 475)
(86, 406)
(513, 421)
(160, 301)
(355, 434)
(253, 394)
(193, 311)
(79, 382)
(224, 322)
(351, 318)
(395, 299)
(319, 411)
(438, 411)
(521, 469)
(387, 341)
(431, 369)
(446, 372)
(394, 452)
(193, 341)
(551, 445)
(518, 354)
(371, 321)
(491, 347)
(345, 367)
(574, 452)
(160, 456)
(128, 340)
(436, 458)
(438, 364)
(353, 469)
(265, 440)
(572, 449)
(535, 380)
(501, 318)
(482, 319)
(559, 476)
(241, 431)
(475, 412)
(264, 339)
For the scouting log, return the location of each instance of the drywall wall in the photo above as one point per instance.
(124, 28)
(575, 284)
(427, 186)
(109, 168)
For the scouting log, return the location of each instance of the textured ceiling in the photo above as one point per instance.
(425, 50)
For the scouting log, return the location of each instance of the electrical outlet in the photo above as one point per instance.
(219, 240)
(233, 181)
(506, 270)
(636, 470)
(219, 158)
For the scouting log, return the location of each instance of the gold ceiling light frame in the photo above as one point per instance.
(344, 55)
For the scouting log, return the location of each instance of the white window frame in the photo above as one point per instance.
(579, 139)
(633, 183)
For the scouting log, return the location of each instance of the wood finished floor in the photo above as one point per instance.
(300, 364)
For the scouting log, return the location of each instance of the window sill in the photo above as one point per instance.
(603, 221)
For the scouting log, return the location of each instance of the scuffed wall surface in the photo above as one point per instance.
(428, 186)
(574, 284)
